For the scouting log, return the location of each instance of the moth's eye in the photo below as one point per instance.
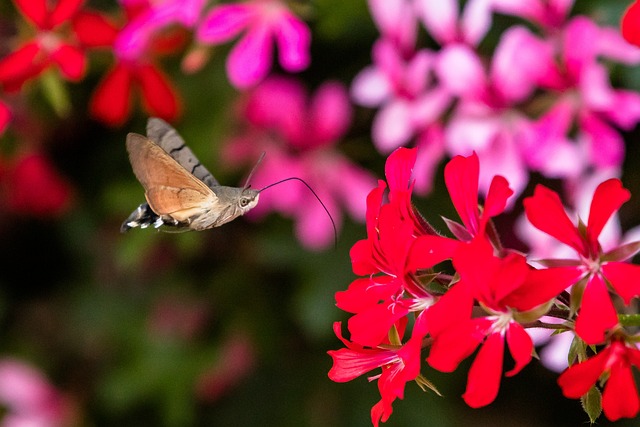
(244, 202)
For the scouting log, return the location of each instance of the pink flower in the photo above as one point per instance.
(597, 268)
(448, 25)
(28, 398)
(613, 365)
(299, 134)
(550, 14)
(263, 22)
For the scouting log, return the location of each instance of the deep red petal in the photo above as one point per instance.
(607, 199)
(452, 346)
(399, 168)
(624, 278)
(597, 313)
(5, 117)
(63, 11)
(497, 196)
(111, 102)
(631, 24)
(541, 286)
(455, 306)
(370, 327)
(544, 211)
(34, 11)
(461, 179)
(620, 397)
(365, 293)
(485, 373)
(579, 378)
(159, 96)
(94, 29)
(362, 262)
(429, 250)
(349, 364)
(71, 61)
(520, 347)
(18, 66)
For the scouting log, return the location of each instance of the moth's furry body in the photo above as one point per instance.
(180, 192)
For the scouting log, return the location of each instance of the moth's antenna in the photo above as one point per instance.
(335, 230)
(248, 181)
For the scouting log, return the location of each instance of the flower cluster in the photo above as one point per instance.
(541, 102)
(493, 296)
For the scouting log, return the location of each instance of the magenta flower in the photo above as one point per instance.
(598, 269)
(549, 14)
(264, 21)
(299, 134)
(28, 398)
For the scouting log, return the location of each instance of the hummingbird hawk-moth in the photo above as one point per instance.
(181, 193)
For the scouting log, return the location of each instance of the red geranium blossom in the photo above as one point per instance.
(598, 270)
(630, 24)
(620, 397)
(48, 47)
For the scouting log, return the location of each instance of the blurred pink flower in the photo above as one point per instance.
(299, 135)
(28, 398)
(263, 22)
(549, 14)
(448, 25)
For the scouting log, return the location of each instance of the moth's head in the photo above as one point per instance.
(248, 199)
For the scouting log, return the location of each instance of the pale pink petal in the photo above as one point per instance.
(467, 132)
(294, 40)
(612, 46)
(476, 20)
(330, 112)
(353, 187)
(431, 150)
(626, 109)
(370, 87)
(224, 22)
(392, 126)
(313, 225)
(430, 106)
(416, 73)
(520, 61)
(524, 8)
(439, 18)
(461, 71)
(605, 145)
(250, 59)
(576, 52)
(395, 20)
(503, 158)
(554, 355)
(595, 89)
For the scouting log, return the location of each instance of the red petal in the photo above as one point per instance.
(362, 262)
(544, 211)
(428, 251)
(159, 96)
(371, 327)
(94, 29)
(631, 24)
(461, 179)
(624, 278)
(364, 293)
(620, 397)
(607, 199)
(541, 286)
(452, 347)
(349, 364)
(34, 11)
(111, 102)
(63, 11)
(18, 66)
(485, 372)
(71, 61)
(520, 347)
(578, 379)
(596, 312)
(399, 168)
(497, 196)
(455, 306)
(5, 117)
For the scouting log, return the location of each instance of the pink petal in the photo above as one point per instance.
(624, 278)
(613, 46)
(544, 211)
(476, 20)
(355, 184)
(439, 18)
(578, 54)
(620, 397)
(370, 87)
(460, 70)
(330, 112)
(250, 59)
(431, 150)
(485, 372)
(71, 60)
(314, 228)
(224, 22)
(607, 199)
(597, 313)
(294, 40)
(605, 145)
(461, 179)
(396, 21)
(627, 109)
(392, 126)
(579, 378)
(520, 347)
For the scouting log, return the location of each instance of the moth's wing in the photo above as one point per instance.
(170, 141)
(169, 188)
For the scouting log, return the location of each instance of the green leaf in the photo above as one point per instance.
(56, 92)
(577, 351)
(592, 404)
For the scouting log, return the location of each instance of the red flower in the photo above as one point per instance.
(33, 187)
(47, 48)
(399, 365)
(507, 289)
(461, 178)
(620, 397)
(597, 269)
(631, 24)
(5, 117)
